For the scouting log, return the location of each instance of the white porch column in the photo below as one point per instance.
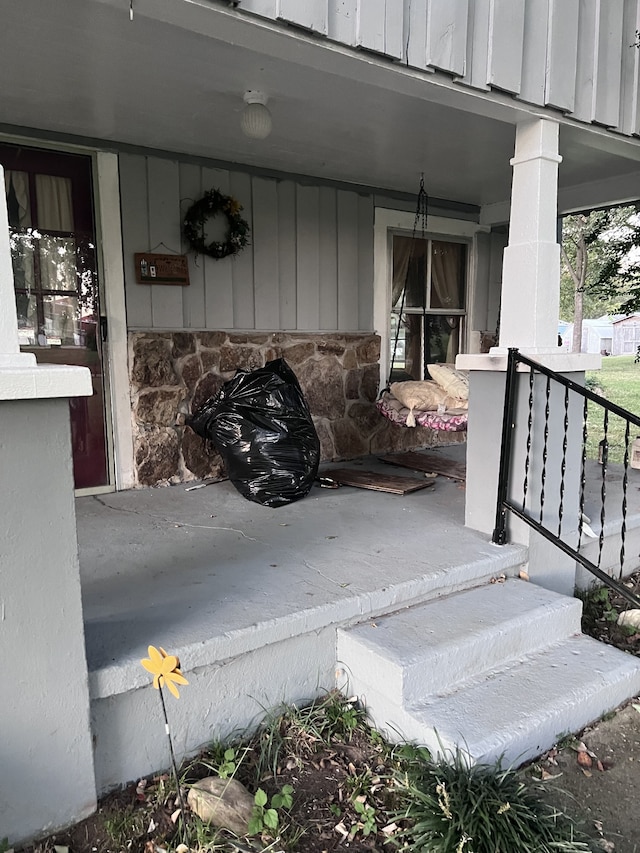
(529, 316)
(46, 749)
(531, 267)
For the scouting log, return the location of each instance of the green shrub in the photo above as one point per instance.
(454, 808)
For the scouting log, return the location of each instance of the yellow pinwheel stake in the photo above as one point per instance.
(165, 670)
(166, 673)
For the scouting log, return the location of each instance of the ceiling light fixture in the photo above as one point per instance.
(256, 119)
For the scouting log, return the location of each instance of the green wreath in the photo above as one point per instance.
(211, 204)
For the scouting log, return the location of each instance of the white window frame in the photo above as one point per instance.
(386, 224)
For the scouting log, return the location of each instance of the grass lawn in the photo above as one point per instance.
(619, 382)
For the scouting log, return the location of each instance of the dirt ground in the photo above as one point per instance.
(603, 798)
(599, 792)
(603, 794)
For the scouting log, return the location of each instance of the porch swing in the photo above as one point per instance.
(439, 402)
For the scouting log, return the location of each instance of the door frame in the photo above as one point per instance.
(109, 257)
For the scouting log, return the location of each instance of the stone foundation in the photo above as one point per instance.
(174, 373)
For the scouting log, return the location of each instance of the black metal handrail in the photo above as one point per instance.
(506, 475)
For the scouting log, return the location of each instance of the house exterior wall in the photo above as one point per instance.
(173, 374)
(303, 289)
(309, 265)
(626, 336)
(572, 55)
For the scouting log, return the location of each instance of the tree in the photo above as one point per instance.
(601, 261)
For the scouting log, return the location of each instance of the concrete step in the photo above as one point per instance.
(512, 707)
(522, 710)
(431, 648)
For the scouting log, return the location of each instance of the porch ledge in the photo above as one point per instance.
(43, 381)
(560, 362)
(126, 674)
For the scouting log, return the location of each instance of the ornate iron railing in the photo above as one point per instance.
(553, 433)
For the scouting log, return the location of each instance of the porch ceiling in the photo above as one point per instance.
(173, 78)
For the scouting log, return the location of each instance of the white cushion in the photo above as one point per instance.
(453, 382)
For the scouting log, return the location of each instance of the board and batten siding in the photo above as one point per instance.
(575, 56)
(309, 265)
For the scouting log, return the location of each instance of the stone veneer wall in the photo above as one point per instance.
(173, 373)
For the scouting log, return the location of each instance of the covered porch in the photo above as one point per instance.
(253, 599)
(250, 597)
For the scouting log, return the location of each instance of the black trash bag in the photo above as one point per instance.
(260, 424)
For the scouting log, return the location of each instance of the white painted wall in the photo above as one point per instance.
(309, 265)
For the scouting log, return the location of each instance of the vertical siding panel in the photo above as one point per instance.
(287, 257)
(164, 227)
(370, 23)
(308, 257)
(135, 235)
(447, 35)
(242, 263)
(415, 36)
(218, 285)
(506, 39)
(267, 8)
(328, 267)
(562, 54)
(311, 14)
(630, 68)
(607, 106)
(587, 58)
(265, 253)
(534, 57)
(341, 21)
(193, 296)
(478, 45)
(347, 204)
(393, 28)
(365, 263)
(379, 26)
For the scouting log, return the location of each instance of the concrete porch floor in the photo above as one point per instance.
(208, 574)
(251, 598)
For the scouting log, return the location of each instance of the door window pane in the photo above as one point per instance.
(57, 257)
(22, 250)
(61, 320)
(27, 311)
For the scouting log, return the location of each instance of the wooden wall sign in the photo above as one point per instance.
(161, 269)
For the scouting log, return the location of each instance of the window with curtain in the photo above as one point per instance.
(428, 304)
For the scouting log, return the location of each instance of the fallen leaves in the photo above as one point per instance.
(584, 760)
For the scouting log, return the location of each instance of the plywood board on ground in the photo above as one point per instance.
(378, 482)
(430, 463)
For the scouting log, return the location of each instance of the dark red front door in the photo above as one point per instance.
(51, 225)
